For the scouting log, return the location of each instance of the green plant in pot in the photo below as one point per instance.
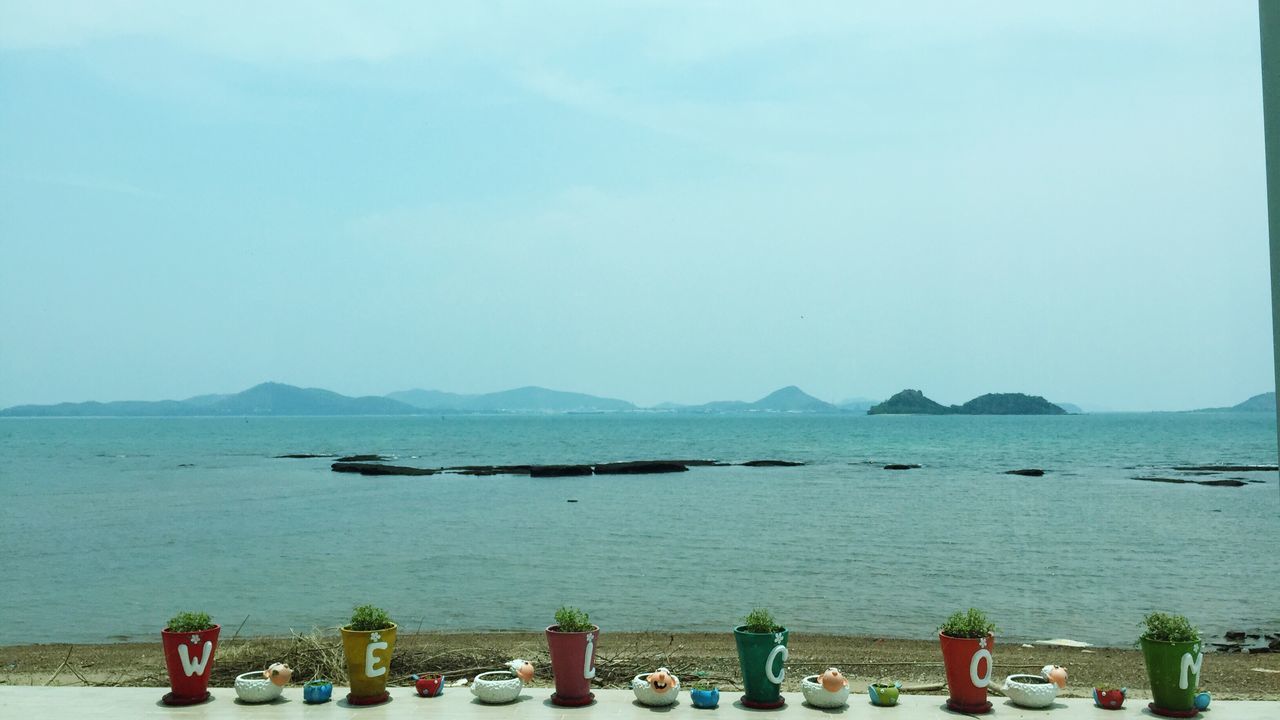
(1173, 653)
(762, 657)
(190, 640)
(571, 643)
(367, 643)
(967, 639)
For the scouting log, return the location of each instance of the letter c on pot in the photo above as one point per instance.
(778, 650)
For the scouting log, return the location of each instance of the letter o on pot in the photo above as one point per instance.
(978, 657)
(778, 650)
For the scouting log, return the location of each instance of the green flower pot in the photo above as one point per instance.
(1174, 671)
(762, 658)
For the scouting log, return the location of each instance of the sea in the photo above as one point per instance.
(108, 526)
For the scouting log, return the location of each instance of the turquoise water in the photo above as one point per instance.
(106, 532)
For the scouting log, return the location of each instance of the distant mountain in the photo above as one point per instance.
(792, 399)
(1266, 402)
(788, 399)
(910, 402)
(119, 408)
(279, 399)
(1070, 408)
(266, 399)
(520, 400)
(914, 402)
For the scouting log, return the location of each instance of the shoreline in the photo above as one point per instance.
(621, 655)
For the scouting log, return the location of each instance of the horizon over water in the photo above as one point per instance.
(112, 525)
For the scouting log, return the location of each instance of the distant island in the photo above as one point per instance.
(1266, 402)
(269, 398)
(788, 399)
(914, 402)
(279, 399)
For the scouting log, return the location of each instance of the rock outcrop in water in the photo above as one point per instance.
(771, 463)
(1227, 482)
(378, 469)
(640, 468)
(914, 402)
(631, 467)
(1226, 468)
(910, 402)
(1026, 472)
(546, 471)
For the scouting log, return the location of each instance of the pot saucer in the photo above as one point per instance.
(369, 699)
(574, 702)
(171, 699)
(969, 709)
(763, 705)
(1165, 712)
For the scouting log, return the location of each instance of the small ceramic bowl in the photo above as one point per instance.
(497, 687)
(884, 694)
(317, 691)
(1109, 698)
(1030, 691)
(429, 684)
(648, 696)
(820, 697)
(252, 687)
(706, 699)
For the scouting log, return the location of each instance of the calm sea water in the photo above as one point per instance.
(108, 526)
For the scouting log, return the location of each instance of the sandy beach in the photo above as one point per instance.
(916, 663)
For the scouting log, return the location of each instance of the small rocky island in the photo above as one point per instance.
(914, 402)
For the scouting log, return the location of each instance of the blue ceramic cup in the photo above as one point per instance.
(317, 691)
(705, 698)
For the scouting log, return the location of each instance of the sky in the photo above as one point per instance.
(657, 201)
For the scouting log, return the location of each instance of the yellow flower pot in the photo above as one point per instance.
(368, 654)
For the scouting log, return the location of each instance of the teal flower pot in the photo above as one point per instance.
(762, 658)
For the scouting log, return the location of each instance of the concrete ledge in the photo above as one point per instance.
(535, 704)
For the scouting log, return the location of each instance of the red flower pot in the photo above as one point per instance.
(429, 685)
(189, 659)
(968, 664)
(573, 662)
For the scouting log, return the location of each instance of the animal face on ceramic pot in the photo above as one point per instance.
(1055, 674)
(523, 670)
(832, 680)
(657, 688)
(828, 690)
(278, 673)
(660, 681)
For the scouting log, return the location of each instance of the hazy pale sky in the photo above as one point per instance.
(654, 201)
